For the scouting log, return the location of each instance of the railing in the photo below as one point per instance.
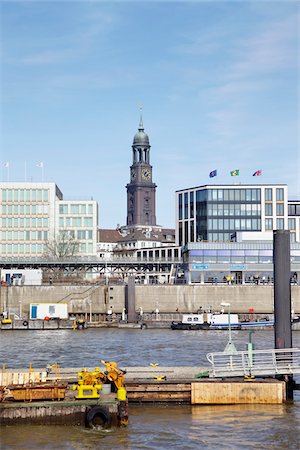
(258, 362)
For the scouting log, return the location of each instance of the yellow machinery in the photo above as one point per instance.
(89, 381)
(92, 381)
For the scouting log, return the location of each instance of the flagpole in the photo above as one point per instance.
(43, 172)
(25, 170)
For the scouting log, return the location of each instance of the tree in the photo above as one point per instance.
(62, 245)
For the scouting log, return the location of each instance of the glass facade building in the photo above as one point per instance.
(243, 262)
(214, 213)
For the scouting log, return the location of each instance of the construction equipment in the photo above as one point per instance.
(89, 384)
(114, 374)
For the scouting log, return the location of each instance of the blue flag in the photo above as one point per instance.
(213, 173)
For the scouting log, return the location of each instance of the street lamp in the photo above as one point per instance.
(230, 347)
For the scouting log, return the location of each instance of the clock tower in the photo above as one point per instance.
(141, 189)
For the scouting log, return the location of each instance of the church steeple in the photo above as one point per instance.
(141, 189)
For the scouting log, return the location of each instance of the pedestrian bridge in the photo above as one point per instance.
(270, 362)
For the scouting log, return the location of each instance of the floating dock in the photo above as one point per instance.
(189, 385)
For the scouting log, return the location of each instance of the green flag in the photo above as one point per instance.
(235, 173)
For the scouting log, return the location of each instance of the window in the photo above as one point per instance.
(191, 204)
(292, 224)
(280, 224)
(180, 206)
(185, 205)
(268, 194)
(269, 224)
(279, 209)
(88, 221)
(279, 194)
(268, 209)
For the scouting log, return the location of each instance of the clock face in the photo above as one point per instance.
(146, 174)
(133, 174)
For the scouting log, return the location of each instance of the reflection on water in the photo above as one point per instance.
(156, 427)
(181, 427)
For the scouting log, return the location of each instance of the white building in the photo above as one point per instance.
(32, 215)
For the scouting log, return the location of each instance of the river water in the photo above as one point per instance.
(152, 426)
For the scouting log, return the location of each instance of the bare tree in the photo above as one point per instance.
(62, 245)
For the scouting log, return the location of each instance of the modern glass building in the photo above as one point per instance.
(243, 262)
(34, 214)
(215, 212)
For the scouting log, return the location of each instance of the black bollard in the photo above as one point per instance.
(282, 296)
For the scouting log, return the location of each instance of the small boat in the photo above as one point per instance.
(206, 321)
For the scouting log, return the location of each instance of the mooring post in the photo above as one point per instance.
(130, 300)
(282, 295)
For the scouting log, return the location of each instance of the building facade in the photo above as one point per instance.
(215, 212)
(243, 262)
(34, 215)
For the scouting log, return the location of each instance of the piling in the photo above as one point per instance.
(130, 300)
(282, 295)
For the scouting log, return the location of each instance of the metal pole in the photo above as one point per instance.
(282, 289)
(282, 297)
(229, 324)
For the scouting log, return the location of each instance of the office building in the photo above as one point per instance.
(33, 216)
(215, 212)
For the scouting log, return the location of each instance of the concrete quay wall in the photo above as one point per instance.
(167, 298)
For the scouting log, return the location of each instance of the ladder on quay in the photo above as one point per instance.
(269, 362)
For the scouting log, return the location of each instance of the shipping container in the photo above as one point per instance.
(48, 311)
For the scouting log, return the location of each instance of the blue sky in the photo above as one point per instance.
(218, 81)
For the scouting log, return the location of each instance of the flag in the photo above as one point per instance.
(213, 173)
(6, 164)
(235, 173)
(40, 164)
(257, 173)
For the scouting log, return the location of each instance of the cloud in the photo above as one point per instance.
(270, 50)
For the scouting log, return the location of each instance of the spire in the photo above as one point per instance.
(141, 126)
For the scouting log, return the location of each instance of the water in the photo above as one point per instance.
(153, 426)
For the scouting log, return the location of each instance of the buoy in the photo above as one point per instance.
(154, 364)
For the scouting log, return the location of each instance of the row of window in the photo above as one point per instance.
(279, 209)
(234, 224)
(269, 224)
(38, 249)
(26, 209)
(75, 222)
(250, 195)
(239, 209)
(80, 208)
(294, 210)
(22, 222)
(79, 234)
(27, 235)
(22, 195)
(235, 256)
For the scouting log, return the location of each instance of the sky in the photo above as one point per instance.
(218, 82)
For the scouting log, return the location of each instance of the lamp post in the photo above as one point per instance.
(230, 347)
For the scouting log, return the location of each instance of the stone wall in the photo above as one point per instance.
(167, 298)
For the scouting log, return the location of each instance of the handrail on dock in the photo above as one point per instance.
(284, 361)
